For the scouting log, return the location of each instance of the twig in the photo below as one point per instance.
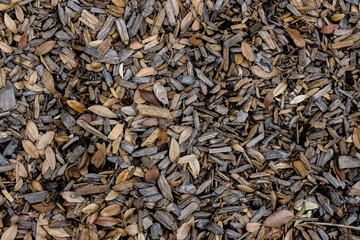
(332, 225)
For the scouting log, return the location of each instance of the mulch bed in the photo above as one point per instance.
(179, 119)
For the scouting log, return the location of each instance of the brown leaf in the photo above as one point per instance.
(262, 74)
(195, 42)
(48, 81)
(111, 210)
(56, 232)
(269, 98)
(298, 99)
(356, 138)
(144, 72)
(30, 148)
(280, 89)
(183, 231)
(10, 23)
(174, 151)
(329, 28)
(247, 51)
(10, 233)
(32, 131)
(163, 137)
(102, 111)
(44, 208)
(296, 37)
(252, 227)
(185, 135)
(150, 97)
(98, 158)
(50, 157)
(91, 208)
(278, 218)
(77, 106)
(45, 140)
(45, 48)
(23, 41)
(106, 221)
(152, 174)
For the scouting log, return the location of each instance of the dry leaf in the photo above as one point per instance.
(10, 233)
(187, 159)
(174, 151)
(269, 98)
(152, 174)
(23, 41)
(71, 197)
(10, 24)
(185, 135)
(278, 218)
(111, 210)
(247, 51)
(262, 74)
(45, 140)
(183, 231)
(356, 138)
(32, 131)
(94, 67)
(22, 170)
(329, 28)
(56, 232)
(298, 99)
(280, 89)
(144, 72)
(132, 229)
(160, 93)
(91, 208)
(102, 111)
(296, 37)
(195, 167)
(106, 221)
(163, 137)
(252, 227)
(98, 158)
(44, 208)
(50, 157)
(45, 48)
(195, 42)
(19, 13)
(30, 148)
(150, 97)
(77, 106)
(48, 81)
